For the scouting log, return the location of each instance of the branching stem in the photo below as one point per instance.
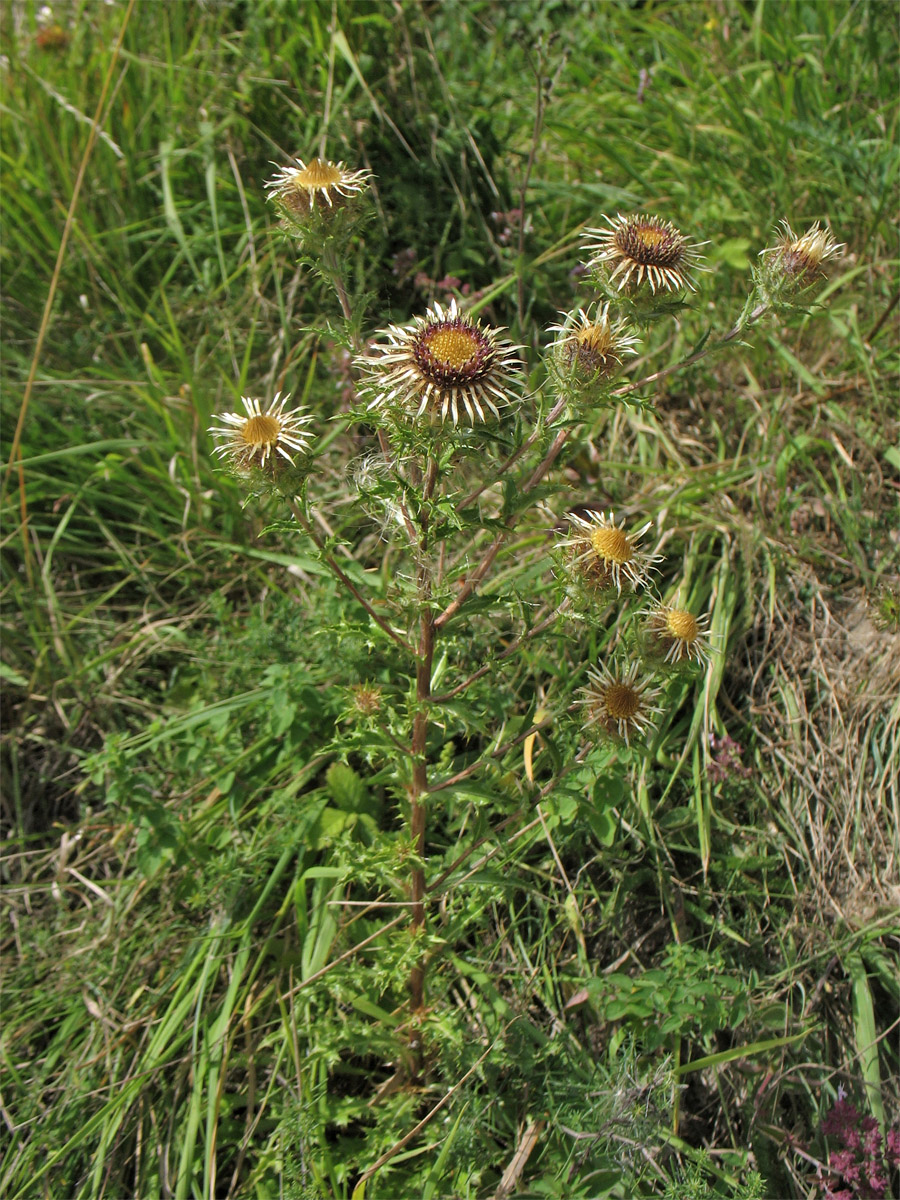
(736, 330)
(494, 549)
(511, 649)
(346, 581)
(514, 457)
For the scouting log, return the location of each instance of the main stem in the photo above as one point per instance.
(418, 793)
(419, 787)
(424, 659)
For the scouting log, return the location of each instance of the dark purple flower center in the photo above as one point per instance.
(650, 243)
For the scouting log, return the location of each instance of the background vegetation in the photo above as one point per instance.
(657, 988)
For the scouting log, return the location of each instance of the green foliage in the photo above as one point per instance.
(692, 1183)
(687, 995)
(205, 760)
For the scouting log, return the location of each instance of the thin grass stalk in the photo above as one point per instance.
(15, 451)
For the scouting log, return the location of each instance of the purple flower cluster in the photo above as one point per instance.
(860, 1169)
(404, 265)
(726, 759)
(509, 223)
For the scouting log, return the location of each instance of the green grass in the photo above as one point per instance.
(203, 976)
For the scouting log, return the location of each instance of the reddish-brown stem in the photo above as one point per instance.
(347, 582)
(498, 753)
(419, 787)
(515, 456)
(494, 549)
(732, 333)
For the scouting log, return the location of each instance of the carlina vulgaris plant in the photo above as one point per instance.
(436, 389)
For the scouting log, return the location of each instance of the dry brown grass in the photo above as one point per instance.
(824, 703)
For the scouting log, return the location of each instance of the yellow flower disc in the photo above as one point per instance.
(260, 431)
(319, 174)
(454, 348)
(614, 545)
(682, 625)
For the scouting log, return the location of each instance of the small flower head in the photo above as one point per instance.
(366, 699)
(259, 436)
(604, 556)
(678, 635)
(797, 261)
(445, 365)
(318, 186)
(590, 349)
(619, 704)
(643, 249)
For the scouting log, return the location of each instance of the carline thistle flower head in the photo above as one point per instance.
(678, 635)
(366, 699)
(590, 347)
(604, 556)
(643, 249)
(259, 436)
(318, 186)
(445, 365)
(619, 704)
(798, 260)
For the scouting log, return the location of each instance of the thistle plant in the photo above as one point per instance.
(462, 452)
